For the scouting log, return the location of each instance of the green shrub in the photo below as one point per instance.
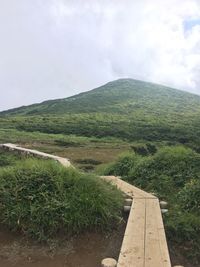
(105, 169)
(189, 196)
(122, 166)
(179, 164)
(170, 167)
(183, 228)
(151, 148)
(140, 149)
(144, 149)
(41, 197)
(7, 159)
(4, 160)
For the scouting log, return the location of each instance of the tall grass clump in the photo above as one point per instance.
(7, 158)
(121, 166)
(165, 171)
(41, 198)
(189, 196)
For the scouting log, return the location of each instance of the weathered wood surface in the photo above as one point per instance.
(133, 251)
(144, 243)
(127, 188)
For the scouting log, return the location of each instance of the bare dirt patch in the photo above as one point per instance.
(85, 250)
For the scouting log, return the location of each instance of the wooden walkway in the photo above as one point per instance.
(65, 162)
(144, 243)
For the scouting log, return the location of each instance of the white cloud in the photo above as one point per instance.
(56, 48)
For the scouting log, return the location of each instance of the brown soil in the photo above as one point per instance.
(86, 250)
(178, 258)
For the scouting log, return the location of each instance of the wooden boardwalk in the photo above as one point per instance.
(65, 162)
(144, 243)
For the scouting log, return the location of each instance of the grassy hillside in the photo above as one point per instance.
(124, 96)
(127, 109)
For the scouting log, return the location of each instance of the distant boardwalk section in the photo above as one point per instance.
(65, 162)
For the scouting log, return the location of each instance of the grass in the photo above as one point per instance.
(127, 110)
(159, 126)
(9, 159)
(77, 148)
(40, 198)
(173, 174)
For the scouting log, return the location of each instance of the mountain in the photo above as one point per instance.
(125, 108)
(121, 96)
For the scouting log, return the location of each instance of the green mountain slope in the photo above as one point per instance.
(121, 96)
(126, 108)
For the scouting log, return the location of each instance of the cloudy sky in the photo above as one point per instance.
(57, 48)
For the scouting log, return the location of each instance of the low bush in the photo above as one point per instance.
(7, 158)
(189, 196)
(183, 229)
(169, 168)
(41, 198)
(122, 165)
(140, 150)
(144, 149)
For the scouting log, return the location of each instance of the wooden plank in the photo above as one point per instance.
(140, 191)
(64, 162)
(132, 250)
(162, 237)
(152, 245)
(127, 188)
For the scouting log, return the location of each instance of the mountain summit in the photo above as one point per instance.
(121, 96)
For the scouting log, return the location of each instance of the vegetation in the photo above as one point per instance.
(9, 159)
(160, 128)
(173, 174)
(126, 109)
(84, 152)
(41, 198)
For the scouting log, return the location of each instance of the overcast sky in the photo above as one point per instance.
(57, 48)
